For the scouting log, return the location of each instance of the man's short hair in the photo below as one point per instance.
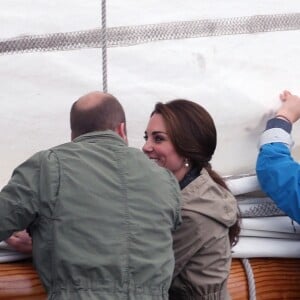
(106, 114)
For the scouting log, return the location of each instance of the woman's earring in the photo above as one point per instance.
(186, 163)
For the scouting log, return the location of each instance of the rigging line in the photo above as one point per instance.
(104, 46)
(250, 278)
(124, 36)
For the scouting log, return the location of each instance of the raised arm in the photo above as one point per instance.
(278, 173)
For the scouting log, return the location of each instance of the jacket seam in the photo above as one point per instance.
(54, 209)
(126, 214)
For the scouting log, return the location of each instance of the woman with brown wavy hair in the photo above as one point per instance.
(181, 136)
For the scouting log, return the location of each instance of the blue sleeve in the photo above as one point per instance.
(279, 177)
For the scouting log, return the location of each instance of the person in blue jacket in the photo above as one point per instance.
(277, 172)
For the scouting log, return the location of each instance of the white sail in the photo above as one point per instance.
(233, 57)
(237, 77)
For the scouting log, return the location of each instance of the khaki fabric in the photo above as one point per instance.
(201, 244)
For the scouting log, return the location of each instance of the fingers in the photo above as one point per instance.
(20, 241)
(284, 95)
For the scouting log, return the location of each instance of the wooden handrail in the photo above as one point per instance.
(19, 280)
(275, 278)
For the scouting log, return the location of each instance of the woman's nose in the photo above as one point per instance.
(147, 147)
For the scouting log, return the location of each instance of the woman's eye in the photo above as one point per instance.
(158, 139)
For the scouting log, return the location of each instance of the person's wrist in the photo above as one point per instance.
(283, 117)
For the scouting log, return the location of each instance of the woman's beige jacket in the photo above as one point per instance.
(201, 245)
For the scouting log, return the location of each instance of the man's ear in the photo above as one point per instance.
(72, 135)
(121, 131)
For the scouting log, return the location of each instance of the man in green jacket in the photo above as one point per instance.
(100, 213)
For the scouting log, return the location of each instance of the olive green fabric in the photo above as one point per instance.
(101, 215)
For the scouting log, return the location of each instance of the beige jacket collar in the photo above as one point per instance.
(205, 196)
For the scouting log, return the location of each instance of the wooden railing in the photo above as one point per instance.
(19, 280)
(275, 278)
